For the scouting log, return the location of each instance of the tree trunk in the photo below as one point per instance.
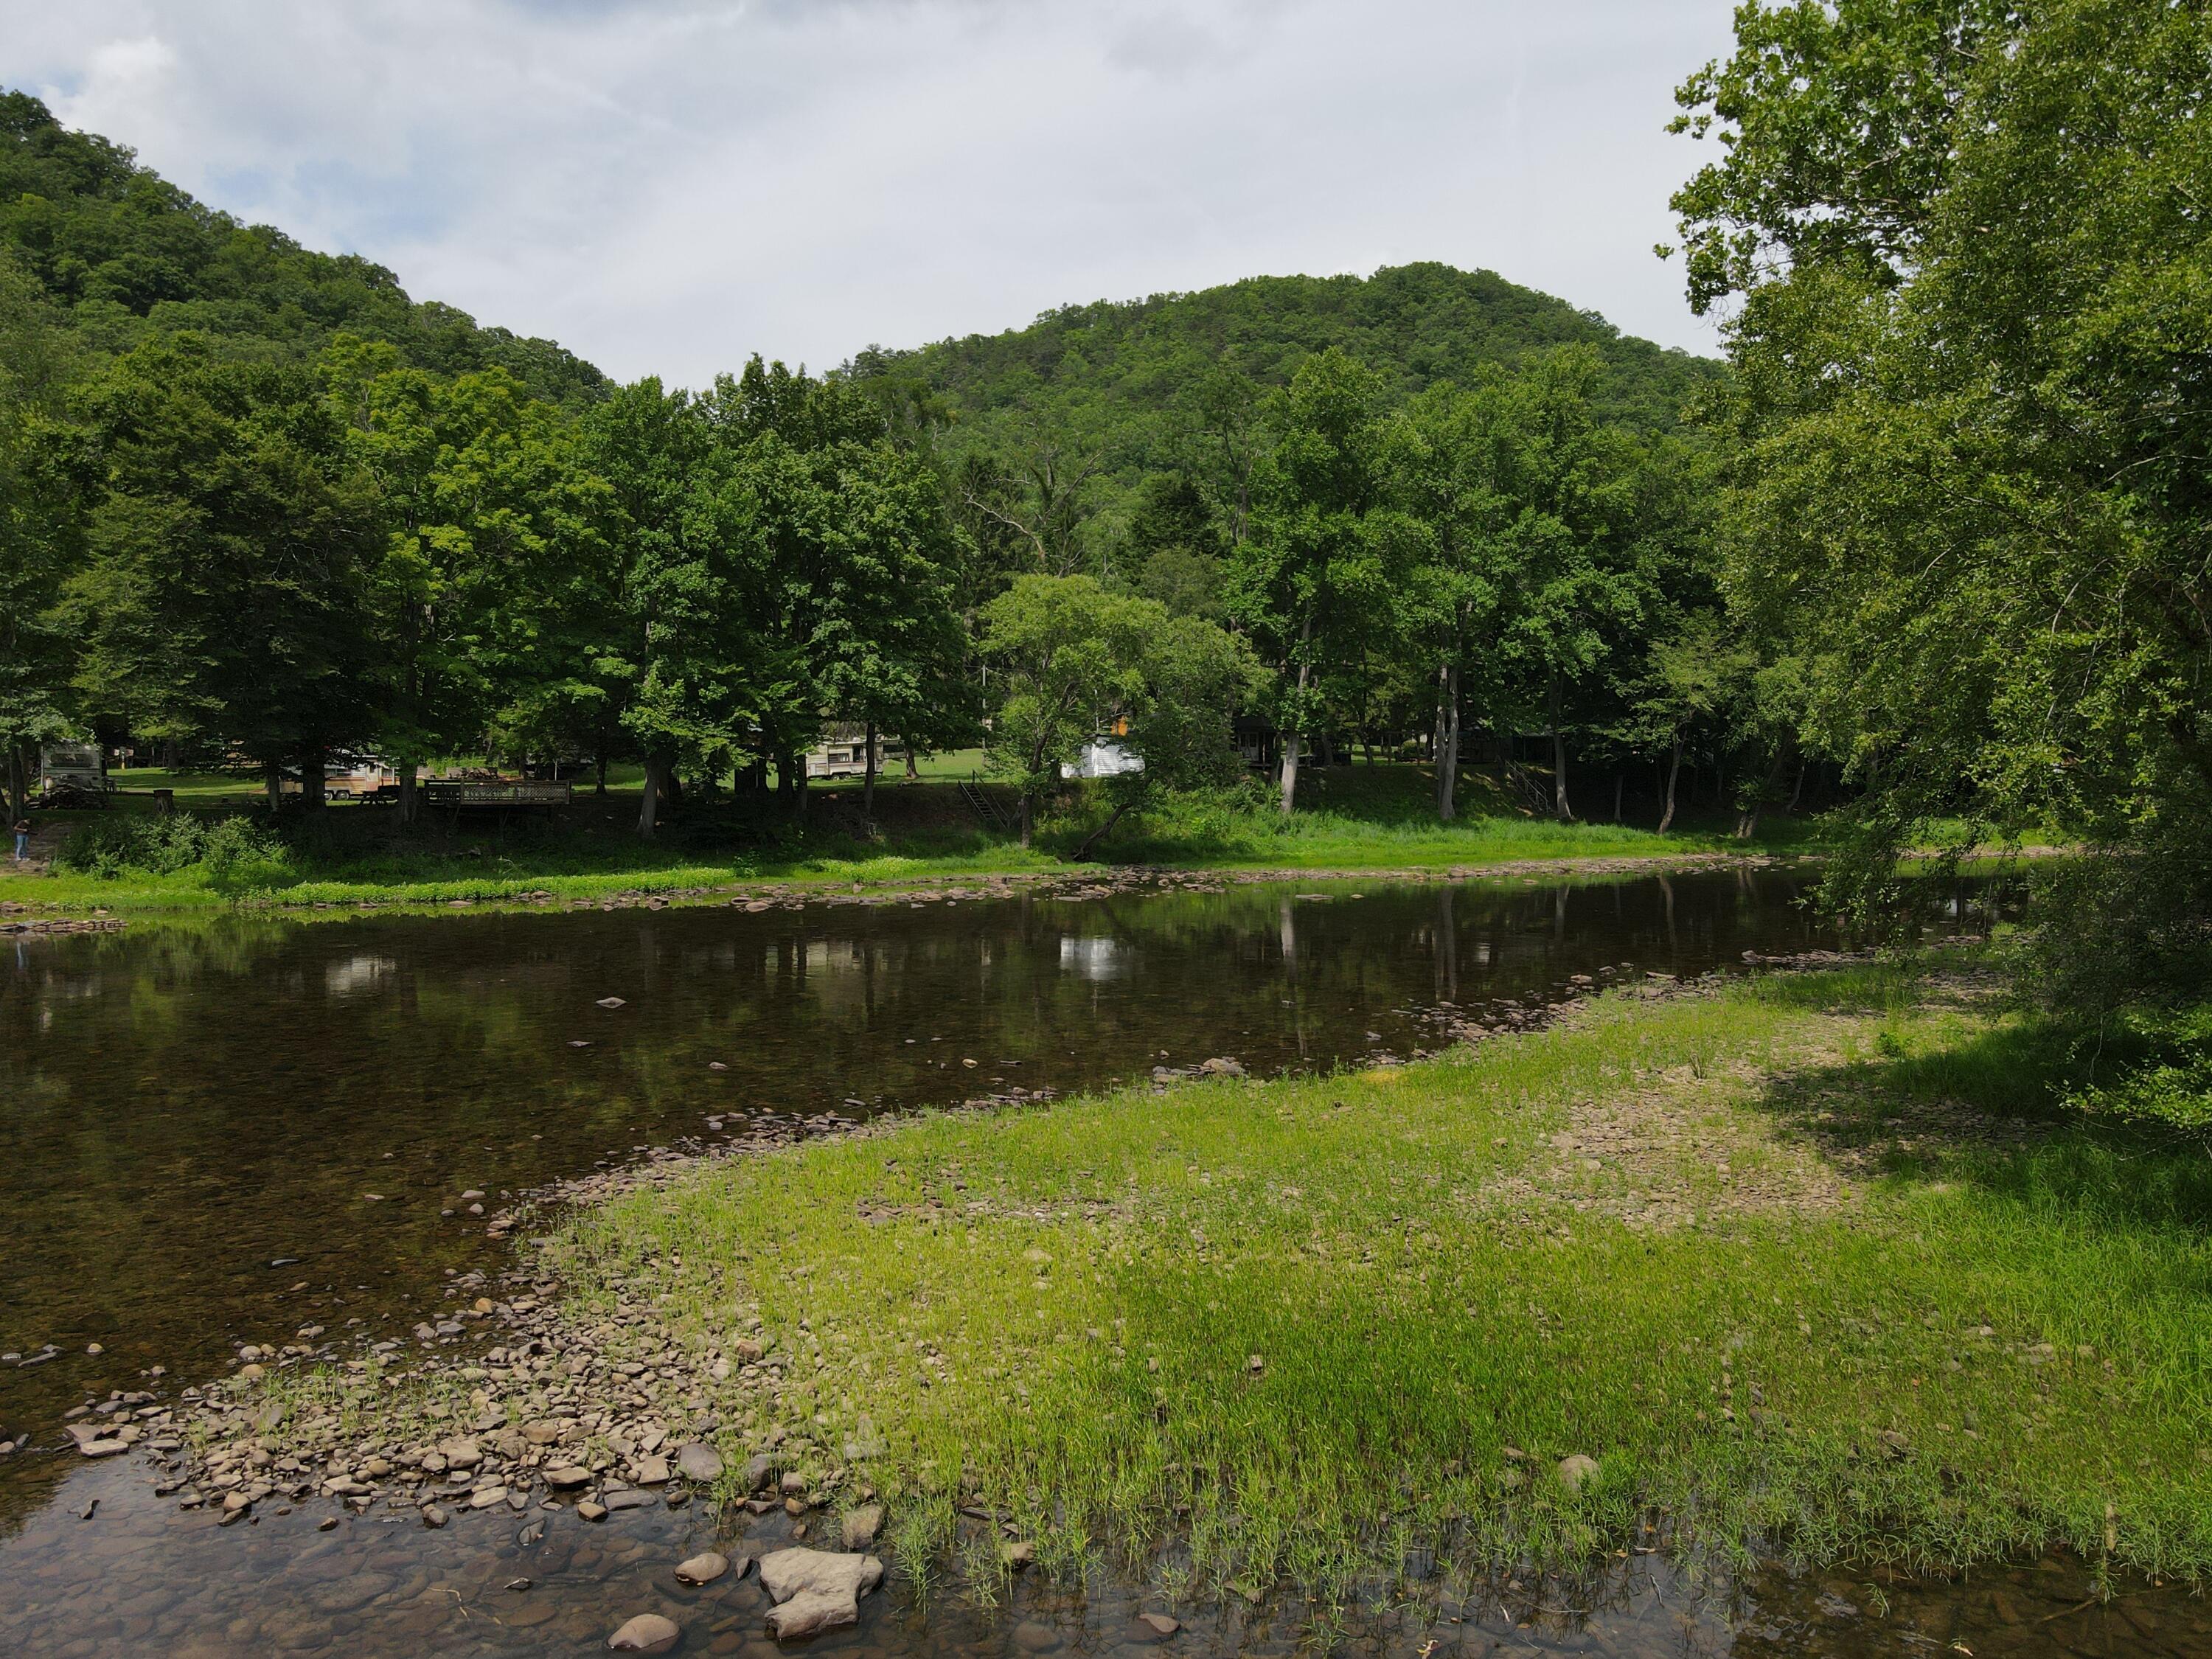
(868, 777)
(656, 779)
(1674, 772)
(600, 763)
(19, 782)
(1619, 784)
(314, 781)
(1447, 741)
(1798, 792)
(1291, 738)
(1026, 816)
(1562, 808)
(272, 783)
(1101, 832)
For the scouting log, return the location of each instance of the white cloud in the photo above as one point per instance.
(668, 187)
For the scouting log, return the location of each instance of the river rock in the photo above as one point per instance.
(96, 1439)
(434, 1516)
(625, 1498)
(651, 1471)
(861, 1526)
(1574, 1471)
(646, 1633)
(1160, 1623)
(460, 1453)
(759, 1468)
(699, 1462)
(567, 1478)
(815, 1590)
(702, 1569)
(587, 1510)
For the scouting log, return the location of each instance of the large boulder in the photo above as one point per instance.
(815, 1590)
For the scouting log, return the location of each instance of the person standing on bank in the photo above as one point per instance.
(22, 839)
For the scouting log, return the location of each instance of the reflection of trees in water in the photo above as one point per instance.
(185, 1103)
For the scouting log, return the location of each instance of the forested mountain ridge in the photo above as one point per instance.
(1114, 372)
(126, 255)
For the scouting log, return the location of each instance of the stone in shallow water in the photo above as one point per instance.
(433, 1515)
(625, 1498)
(702, 1569)
(861, 1526)
(816, 1590)
(646, 1633)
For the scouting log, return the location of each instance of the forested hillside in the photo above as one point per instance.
(1119, 392)
(127, 256)
(261, 506)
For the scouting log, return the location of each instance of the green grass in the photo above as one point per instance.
(1377, 817)
(1994, 1335)
(1365, 818)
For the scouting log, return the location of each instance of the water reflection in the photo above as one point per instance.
(181, 1106)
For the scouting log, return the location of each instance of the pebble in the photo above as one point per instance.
(1161, 1625)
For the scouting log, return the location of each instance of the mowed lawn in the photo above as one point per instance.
(1808, 1265)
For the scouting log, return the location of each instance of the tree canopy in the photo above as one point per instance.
(1964, 249)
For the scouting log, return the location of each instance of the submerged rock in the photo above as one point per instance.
(861, 1526)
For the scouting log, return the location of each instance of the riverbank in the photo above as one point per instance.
(1373, 820)
(1803, 1266)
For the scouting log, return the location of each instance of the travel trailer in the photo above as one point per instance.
(72, 766)
(844, 754)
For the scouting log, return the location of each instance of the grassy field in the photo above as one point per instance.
(1349, 819)
(1810, 1266)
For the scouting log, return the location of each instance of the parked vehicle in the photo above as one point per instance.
(844, 754)
(78, 770)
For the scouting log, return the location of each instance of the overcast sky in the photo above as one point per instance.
(668, 187)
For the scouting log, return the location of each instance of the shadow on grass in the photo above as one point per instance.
(1979, 1101)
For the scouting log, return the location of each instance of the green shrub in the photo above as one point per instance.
(229, 852)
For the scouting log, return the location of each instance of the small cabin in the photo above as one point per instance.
(844, 754)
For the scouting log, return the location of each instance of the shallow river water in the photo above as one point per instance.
(221, 1132)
